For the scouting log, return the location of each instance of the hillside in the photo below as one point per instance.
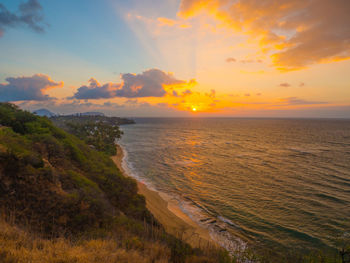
(53, 180)
(57, 191)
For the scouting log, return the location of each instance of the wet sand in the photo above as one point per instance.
(168, 213)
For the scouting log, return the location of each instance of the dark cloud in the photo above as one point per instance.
(132, 102)
(284, 85)
(112, 104)
(297, 101)
(28, 14)
(27, 88)
(96, 91)
(150, 83)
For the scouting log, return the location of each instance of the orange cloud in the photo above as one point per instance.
(166, 21)
(294, 33)
(163, 21)
(187, 99)
(190, 8)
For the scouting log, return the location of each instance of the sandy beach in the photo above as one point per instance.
(169, 214)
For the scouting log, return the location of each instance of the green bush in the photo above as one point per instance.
(52, 176)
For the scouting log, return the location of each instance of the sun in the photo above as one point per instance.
(194, 109)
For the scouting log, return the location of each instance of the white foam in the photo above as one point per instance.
(228, 221)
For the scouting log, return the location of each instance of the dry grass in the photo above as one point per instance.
(19, 246)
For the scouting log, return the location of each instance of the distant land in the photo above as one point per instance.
(91, 113)
(49, 114)
(44, 113)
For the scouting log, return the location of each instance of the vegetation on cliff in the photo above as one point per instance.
(55, 181)
(99, 132)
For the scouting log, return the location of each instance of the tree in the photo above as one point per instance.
(100, 135)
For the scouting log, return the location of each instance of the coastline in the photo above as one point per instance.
(174, 220)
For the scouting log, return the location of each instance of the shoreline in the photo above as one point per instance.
(174, 220)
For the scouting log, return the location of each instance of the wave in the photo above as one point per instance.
(217, 225)
(228, 221)
(185, 162)
(304, 151)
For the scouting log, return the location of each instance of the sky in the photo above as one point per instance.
(177, 58)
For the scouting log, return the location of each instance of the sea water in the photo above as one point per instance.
(276, 182)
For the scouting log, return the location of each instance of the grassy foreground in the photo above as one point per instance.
(20, 246)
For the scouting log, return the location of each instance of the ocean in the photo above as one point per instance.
(279, 183)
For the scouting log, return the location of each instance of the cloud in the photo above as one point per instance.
(112, 104)
(192, 83)
(28, 14)
(150, 83)
(284, 85)
(96, 91)
(162, 104)
(295, 33)
(186, 93)
(243, 61)
(27, 88)
(229, 60)
(302, 84)
(163, 21)
(212, 94)
(297, 101)
(132, 102)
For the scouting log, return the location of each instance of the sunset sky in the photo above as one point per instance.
(244, 58)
